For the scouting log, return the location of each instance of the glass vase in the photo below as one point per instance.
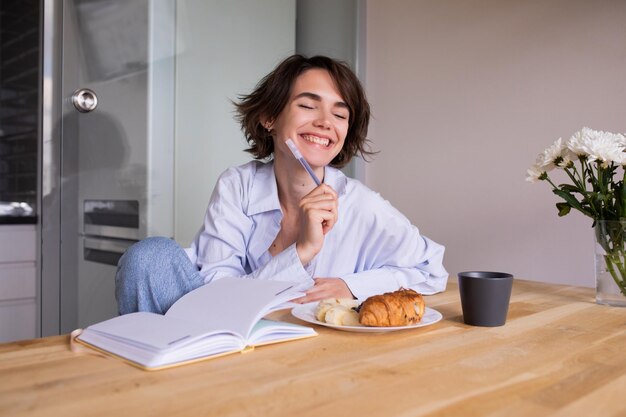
(610, 259)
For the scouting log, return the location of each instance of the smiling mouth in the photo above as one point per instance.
(314, 139)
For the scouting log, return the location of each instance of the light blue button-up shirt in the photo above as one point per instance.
(372, 247)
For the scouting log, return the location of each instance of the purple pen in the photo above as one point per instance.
(296, 153)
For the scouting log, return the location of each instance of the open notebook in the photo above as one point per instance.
(225, 316)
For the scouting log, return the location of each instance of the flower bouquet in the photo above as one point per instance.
(594, 162)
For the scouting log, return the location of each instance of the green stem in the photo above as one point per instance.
(618, 280)
(622, 197)
(551, 183)
(578, 184)
(581, 178)
(592, 179)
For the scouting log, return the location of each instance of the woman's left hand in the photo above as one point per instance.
(326, 288)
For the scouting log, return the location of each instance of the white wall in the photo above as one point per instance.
(223, 50)
(464, 95)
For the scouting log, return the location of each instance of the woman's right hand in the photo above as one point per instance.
(318, 215)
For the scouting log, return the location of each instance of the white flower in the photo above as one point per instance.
(620, 158)
(579, 142)
(566, 161)
(535, 173)
(556, 155)
(604, 147)
(618, 138)
(605, 150)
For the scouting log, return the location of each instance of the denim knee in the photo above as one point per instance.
(152, 275)
(134, 269)
(143, 254)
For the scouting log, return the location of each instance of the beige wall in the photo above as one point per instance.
(464, 95)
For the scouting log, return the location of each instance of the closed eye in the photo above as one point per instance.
(340, 116)
(304, 106)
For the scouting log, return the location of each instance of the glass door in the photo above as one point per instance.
(118, 140)
(125, 83)
(115, 130)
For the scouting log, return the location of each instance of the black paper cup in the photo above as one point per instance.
(485, 297)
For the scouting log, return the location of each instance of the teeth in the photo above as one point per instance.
(315, 139)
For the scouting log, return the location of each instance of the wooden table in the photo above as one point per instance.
(559, 354)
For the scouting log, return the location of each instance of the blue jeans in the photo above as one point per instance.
(152, 274)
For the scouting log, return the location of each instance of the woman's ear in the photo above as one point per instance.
(268, 125)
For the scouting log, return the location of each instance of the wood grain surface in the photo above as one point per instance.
(559, 354)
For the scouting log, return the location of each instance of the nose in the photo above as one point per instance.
(322, 121)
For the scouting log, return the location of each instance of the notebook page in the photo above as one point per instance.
(149, 331)
(233, 304)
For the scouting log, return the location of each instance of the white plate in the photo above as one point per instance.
(306, 312)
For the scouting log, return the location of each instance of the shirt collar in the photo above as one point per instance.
(336, 179)
(264, 191)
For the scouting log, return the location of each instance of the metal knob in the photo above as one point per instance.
(85, 100)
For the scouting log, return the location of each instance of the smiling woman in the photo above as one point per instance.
(317, 122)
(268, 219)
(283, 86)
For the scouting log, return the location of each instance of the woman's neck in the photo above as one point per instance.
(293, 183)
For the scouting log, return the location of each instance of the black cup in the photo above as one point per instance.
(485, 297)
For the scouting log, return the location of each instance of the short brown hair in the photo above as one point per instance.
(272, 93)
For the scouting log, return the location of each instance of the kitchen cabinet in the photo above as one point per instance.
(18, 282)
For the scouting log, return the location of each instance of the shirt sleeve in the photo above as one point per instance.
(396, 255)
(220, 247)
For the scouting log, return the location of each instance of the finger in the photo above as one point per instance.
(329, 223)
(315, 289)
(319, 205)
(301, 300)
(323, 189)
(317, 199)
(323, 289)
(310, 298)
(314, 207)
(330, 204)
(327, 189)
(324, 217)
(333, 219)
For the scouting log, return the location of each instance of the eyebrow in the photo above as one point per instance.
(316, 97)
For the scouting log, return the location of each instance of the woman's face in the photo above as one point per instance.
(315, 118)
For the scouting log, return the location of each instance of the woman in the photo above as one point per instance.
(269, 220)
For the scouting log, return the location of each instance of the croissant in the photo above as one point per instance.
(398, 308)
